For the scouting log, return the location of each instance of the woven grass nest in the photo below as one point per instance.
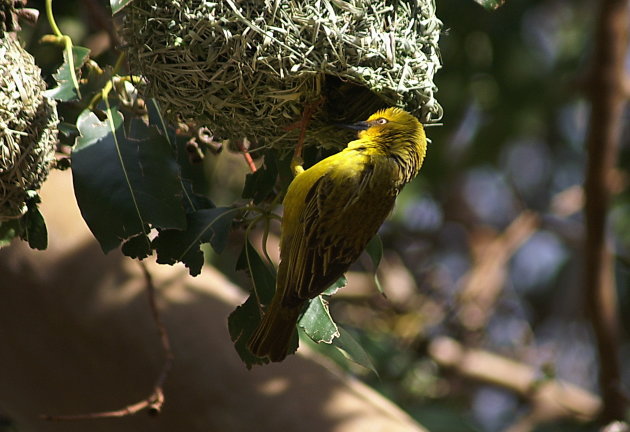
(28, 129)
(252, 68)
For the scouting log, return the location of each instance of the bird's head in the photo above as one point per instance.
(390, 126)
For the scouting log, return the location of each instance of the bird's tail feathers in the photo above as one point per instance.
(273, 336)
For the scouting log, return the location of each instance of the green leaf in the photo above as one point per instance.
(138, 246)
(194, 201)
(491, 4)
(243, 321)
(30, 227)
(241, 324)
(35, 232)
(353, 351)
(117, 5)
(375, 251)
(340, 283)
(263, 278)
(156, 118)
(203, 226)
(317, 322)
(124, 184)
(260, 184)
(68, 130)
(67, 89)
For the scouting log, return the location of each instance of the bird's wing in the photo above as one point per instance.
(337, 220)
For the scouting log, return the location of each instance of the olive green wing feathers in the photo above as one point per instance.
(338, 218)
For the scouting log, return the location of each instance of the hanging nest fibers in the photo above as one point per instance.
(252, 68)
(28, 128)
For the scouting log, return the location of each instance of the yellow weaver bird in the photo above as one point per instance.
(331, 211)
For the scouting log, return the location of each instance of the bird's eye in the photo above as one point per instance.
(381, 121)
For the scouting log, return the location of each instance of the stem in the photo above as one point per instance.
(264, 240)
(67, 44)
(119, 62)
(248, 243)
(101, 95)
(247, 156)
(51, 19)
(606, 94)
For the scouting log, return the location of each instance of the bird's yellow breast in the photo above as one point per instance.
(347, 171)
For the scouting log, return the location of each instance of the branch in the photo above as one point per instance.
(550, 398)
(153, 403)
(483, 284)
(606, 94)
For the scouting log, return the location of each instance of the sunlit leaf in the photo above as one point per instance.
(317, 322)
(67, 86)
(352, 350)
(124, 184)
(243, 321)
(118, 5)
(203, 226)
(340, 283)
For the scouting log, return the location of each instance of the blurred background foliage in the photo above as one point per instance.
(485, 246)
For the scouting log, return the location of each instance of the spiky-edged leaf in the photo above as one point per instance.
(202, 226)
(317, 322)
(67, 88)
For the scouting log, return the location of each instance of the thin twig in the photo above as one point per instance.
(307, 115)
(248, 158)
(154, 402)
(606, 94)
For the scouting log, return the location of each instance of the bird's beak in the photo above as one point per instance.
(362, 125)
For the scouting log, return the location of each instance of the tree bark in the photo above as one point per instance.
(606, 94)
